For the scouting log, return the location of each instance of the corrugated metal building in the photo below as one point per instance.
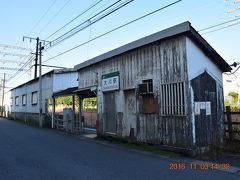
(163, 89)
(25, 98)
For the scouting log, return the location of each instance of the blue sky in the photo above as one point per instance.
(19, 18)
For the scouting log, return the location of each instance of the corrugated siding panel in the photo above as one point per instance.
(163, 62)
(163, 130)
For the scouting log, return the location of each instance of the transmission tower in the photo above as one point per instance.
(12, 58)
(12, 61)
(235, 7)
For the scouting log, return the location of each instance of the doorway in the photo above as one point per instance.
(90, 112)
(110, 112)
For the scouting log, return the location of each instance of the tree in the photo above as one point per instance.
(90, 103)
(234, 95)
(234, 102)
(64, 100)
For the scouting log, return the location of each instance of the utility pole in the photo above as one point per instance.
(37, 50)
(36, 59)
(4, 79)
(40, 84)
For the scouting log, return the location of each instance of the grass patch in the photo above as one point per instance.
(232, 147)
(141, 147)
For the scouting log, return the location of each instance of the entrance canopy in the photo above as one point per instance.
(66, 92)
(86, 92)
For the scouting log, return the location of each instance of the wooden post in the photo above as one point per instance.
(53, 111)
(73, 103)
(74, 114)
(80, 113)
(40, 86)
(229, 122)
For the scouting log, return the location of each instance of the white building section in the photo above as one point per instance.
(198, 62)
(25, 98)
(64, 80)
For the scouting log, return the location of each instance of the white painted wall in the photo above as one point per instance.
(64, 80)
(50, 83)
(7, 99)
(28, 89)
(198, 62)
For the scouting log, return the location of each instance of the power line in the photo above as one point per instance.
(31, 58)
(11, 69)
(221, 28)
(4, 46)
(54, 16)
(54, 58)
(22, 67)
(45, 65)
(102, 34)
(10, 61)
(21, 61)
(92, 6)
(108, 32)
(13, 54)
(42, 16)
(226, 22)
(97, 17)
(38, 41)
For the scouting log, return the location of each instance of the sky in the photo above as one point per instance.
(42, 18)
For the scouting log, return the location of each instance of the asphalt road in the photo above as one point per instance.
(33, 153)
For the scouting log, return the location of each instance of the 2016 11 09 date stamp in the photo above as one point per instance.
(199, 166)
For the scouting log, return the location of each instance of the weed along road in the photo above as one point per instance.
(33, 153)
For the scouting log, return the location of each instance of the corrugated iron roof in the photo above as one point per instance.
(183, 28)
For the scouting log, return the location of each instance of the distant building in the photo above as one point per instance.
(166, 89)
(24, 100)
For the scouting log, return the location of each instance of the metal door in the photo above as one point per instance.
(110, 112)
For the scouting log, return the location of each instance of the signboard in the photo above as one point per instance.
(202, 105)
(110, 81)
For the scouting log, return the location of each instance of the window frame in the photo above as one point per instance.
(173, 100)
(24, 99)
(149, 83)
(33, 101)
(16, 100)
(11, 101)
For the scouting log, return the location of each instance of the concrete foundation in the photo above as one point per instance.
(30, 118)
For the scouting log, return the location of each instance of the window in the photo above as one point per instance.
(148, 104)
(146, 87)
(173, 99)
(11, 101)
(149, 85)
(24, 99)
(16, 100)
(34, 98)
